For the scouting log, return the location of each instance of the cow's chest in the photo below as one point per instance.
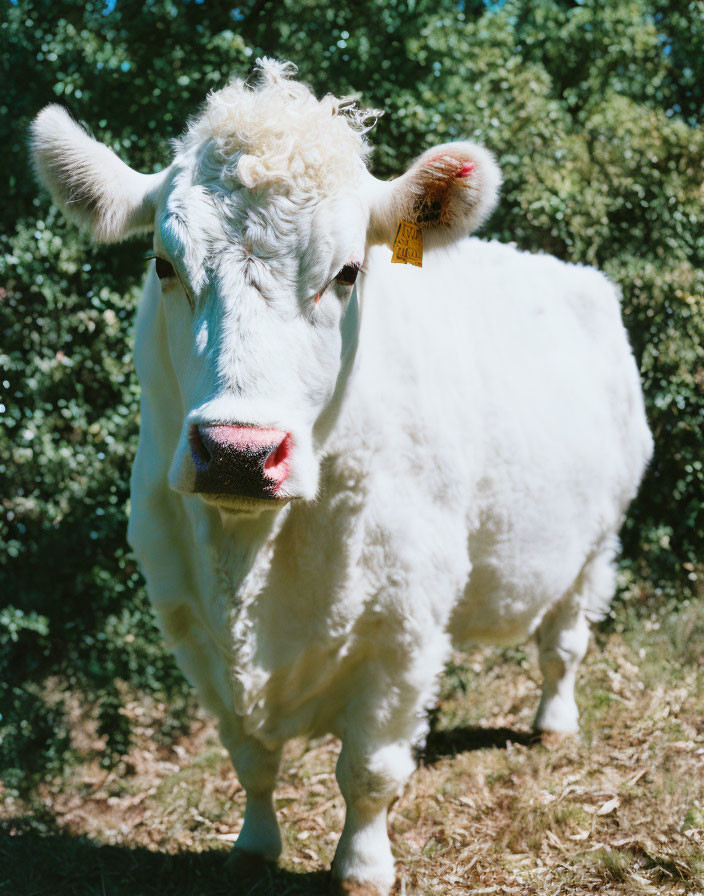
(300, 621)
(338, 588)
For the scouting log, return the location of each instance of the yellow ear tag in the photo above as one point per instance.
(408, 245)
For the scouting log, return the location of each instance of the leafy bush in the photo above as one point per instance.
(594, 112)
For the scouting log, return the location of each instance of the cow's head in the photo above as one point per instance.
(261, 225)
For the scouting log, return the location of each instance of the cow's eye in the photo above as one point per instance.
(348, 274)
(165, 272)
(164, 269)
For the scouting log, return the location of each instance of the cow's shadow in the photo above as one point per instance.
(49, 861)
(464, 739)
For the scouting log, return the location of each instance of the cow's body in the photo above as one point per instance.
(334, 486)
(484, 453)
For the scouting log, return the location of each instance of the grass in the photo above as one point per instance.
(619, 809)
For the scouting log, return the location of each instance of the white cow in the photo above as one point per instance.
(335, 483)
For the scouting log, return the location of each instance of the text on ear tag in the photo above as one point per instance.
(408, 245)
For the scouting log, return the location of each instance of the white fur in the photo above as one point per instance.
(280, 134)
(467, 437)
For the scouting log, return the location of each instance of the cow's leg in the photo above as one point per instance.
(377, 731)
(259, 839)
(205, 666)
(563, 638)
(370, 778)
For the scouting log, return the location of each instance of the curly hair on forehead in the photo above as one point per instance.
(271, 130)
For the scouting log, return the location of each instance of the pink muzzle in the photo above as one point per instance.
(240, 461)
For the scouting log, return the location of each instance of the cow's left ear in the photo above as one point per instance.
(449, 191)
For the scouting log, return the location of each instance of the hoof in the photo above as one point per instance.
(353, 888)
(244, 865)
(554, 739)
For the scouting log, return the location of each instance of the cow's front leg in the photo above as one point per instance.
(202, 662)
(370, 778)
(259, 840)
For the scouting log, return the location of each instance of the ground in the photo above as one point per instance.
(617, 809)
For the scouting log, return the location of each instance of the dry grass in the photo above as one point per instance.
(618, 810)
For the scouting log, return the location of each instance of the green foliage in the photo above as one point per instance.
(594, 111)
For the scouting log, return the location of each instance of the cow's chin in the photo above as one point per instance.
(234, 504)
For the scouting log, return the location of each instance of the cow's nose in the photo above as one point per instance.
(242, 461)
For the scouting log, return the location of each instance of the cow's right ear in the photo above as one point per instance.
(448, 192)
(89, 183)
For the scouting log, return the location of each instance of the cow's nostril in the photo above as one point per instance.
(277, 457)
(276, 466)
(201, 455)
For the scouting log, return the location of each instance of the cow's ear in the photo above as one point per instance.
(448, 192)
(90, 184)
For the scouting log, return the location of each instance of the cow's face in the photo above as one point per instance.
(255, 289)
(261, 225)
